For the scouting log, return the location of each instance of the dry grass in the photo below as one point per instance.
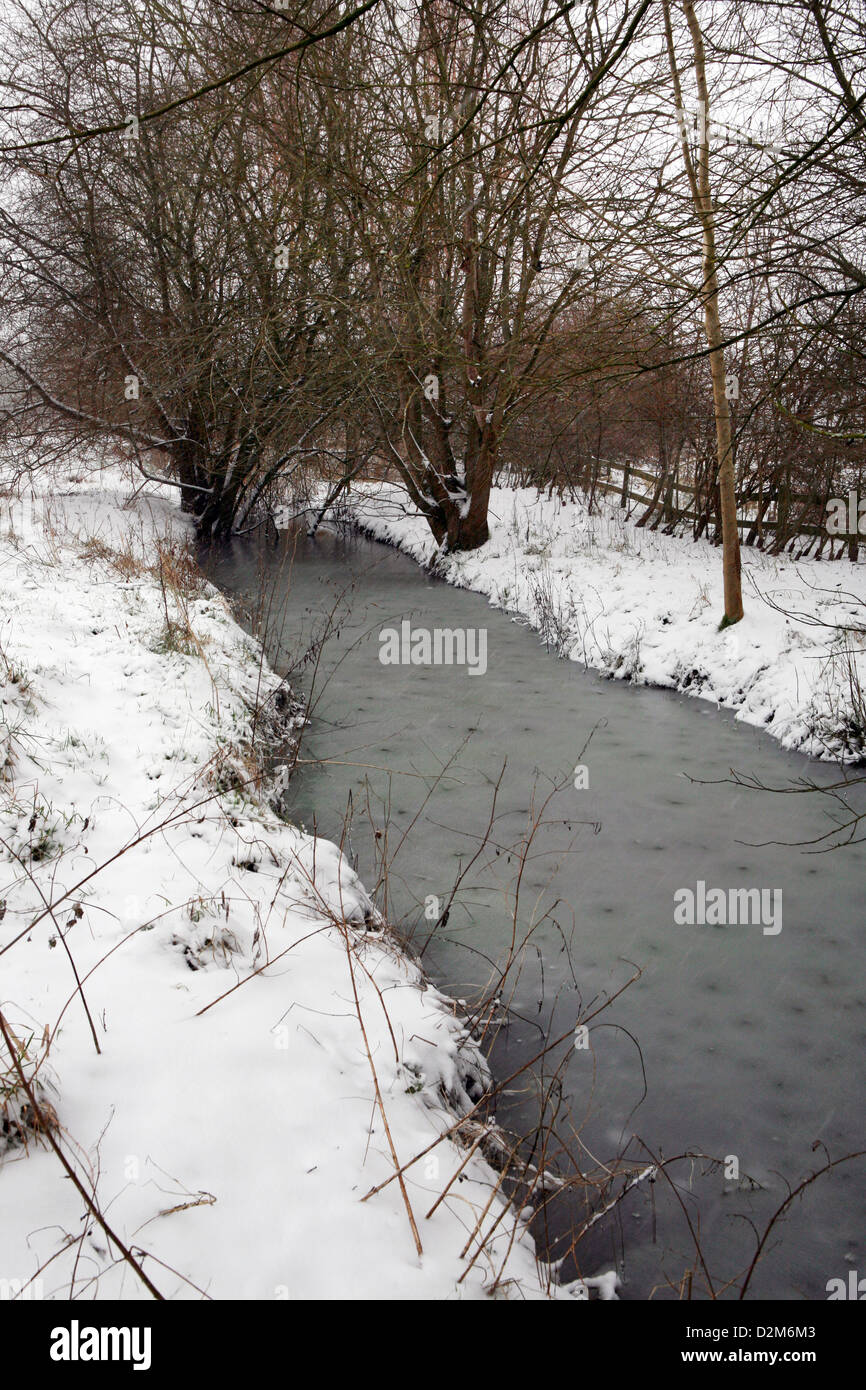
(20, 1122)
(176, 568)
(123, 561)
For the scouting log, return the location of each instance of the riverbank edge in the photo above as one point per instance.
(471, 1078)
(496, 1144)
(784, 670)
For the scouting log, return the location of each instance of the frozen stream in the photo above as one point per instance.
(752, 1042)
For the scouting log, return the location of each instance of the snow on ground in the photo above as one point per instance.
(245, 998)
(645, 607)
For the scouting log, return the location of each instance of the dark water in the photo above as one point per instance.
(733, 1043)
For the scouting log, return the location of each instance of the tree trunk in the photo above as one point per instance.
(699, 180)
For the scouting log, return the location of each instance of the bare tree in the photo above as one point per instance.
(164, 284)
(699, 181)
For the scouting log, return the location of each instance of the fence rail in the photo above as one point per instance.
(747, 523)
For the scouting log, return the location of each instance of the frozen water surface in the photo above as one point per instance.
(752, 1044)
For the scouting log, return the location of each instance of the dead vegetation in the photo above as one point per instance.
(26, 1113)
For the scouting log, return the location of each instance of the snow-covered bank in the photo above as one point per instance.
(248, 1052)
(645, 607)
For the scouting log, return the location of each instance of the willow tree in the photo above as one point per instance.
(460, 180)
(162, 280)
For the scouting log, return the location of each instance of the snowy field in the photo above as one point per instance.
(645, 607)
(220, 1035)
